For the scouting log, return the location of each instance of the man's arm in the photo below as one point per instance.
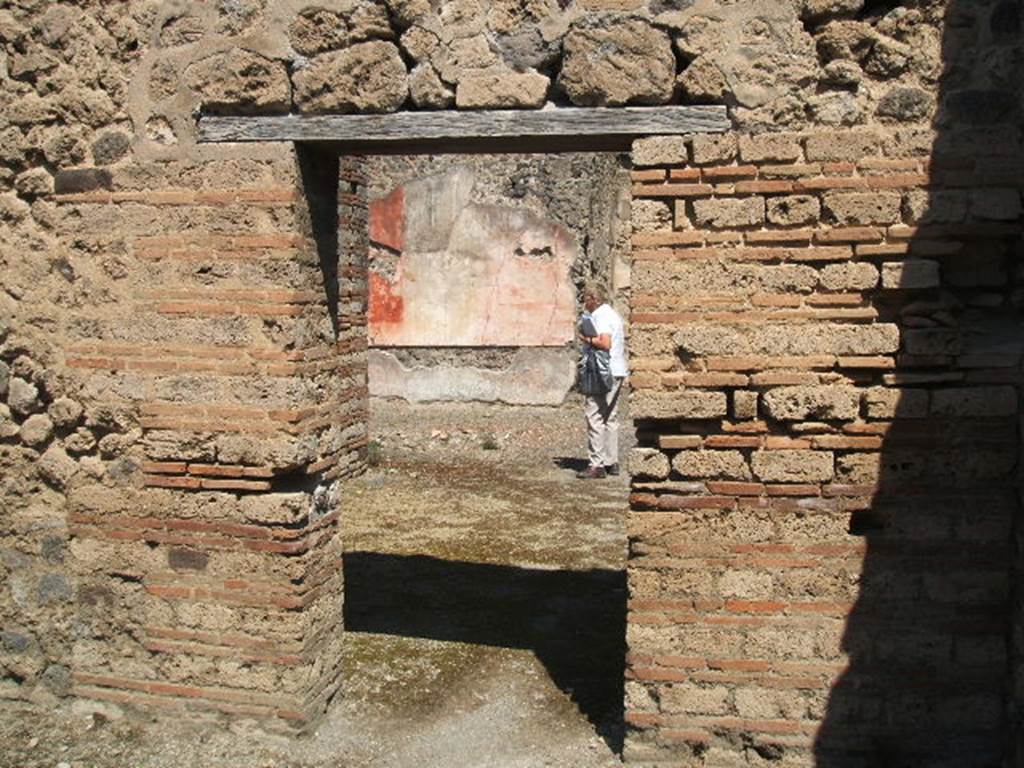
(601, 341)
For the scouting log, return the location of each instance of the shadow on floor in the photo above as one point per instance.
(574, 621)
(570, 463)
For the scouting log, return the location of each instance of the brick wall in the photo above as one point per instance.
(827, 356)
(206, 547)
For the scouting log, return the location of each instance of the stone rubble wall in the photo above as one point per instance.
(827, 353)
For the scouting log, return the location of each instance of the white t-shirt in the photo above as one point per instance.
(607, 320)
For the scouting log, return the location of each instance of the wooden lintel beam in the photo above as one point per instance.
(570, 127)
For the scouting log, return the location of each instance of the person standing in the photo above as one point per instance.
(602, 410)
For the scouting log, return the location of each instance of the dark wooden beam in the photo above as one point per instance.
(548, 130)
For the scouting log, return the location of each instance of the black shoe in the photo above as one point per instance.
(611, 470)
(591, 473)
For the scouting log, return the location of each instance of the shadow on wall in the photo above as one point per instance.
(574, 621)
(929, 639)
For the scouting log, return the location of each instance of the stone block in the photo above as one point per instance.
(725, 465)
(82, 180)
(23, 396)
(932, 341)
(853, 208)
(651, 215)
(770, 148)
(711, 149)
(367, 77)
(660, 150)
(840, 146)
(788, 466)
(703, 339)
(849, 276)
(887, 403)
(995, 204)
(935, 205)
(810, 403)
(744, 405)
(793, 210)
(727, 213)
(975, 401)
(648, 463)
(238, 81)
(65, 412)
(427, 90)
(501, 88)
(613, 60)
(689, 404)
(915, 273)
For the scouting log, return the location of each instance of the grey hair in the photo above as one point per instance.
(595, 289)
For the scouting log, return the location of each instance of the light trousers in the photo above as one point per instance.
(602, 412)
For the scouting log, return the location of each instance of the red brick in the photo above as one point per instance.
(731, 441)
(849, 235)
(735, 489)
(168, 481)
(652, 174)
(839, 442)
(722, 173)
(164, 467)
(696, 502)
(684, 174)
(754, 606)
(680, 441)
(780, 236)
(668, 238)
(796, 489)
(764, 187)
(671, 190)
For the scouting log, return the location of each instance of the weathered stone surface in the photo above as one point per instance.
(702, 82)
(711, 149)
(915, 273)
(501, 88)
(815, 10)
(787, 466)
(36, 430)
(5, 378)
(839, 146)
(770, 148)
(995, 204)
(933, 341)
(616, 60)
(110, 147)
(905, 104)
(648, 463)
(651, 215)
(34, 182)
(793, 210)
(427, 90)
(729, 212)
(240, 82)
(368, 77)
(853, 208)
(660, 150)
(56, 467)
(82, 180)
(726, 465)
(702, 339)
(8, 427)
(316, 30)
(849, 276)
(889, 403)
(689, 404)
(974, 401)
(810, 403)
(744, 405)
(23, 396)
(65, 412)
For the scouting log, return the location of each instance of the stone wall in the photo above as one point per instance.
(825, 332)
(827, 352)
(475, 269)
